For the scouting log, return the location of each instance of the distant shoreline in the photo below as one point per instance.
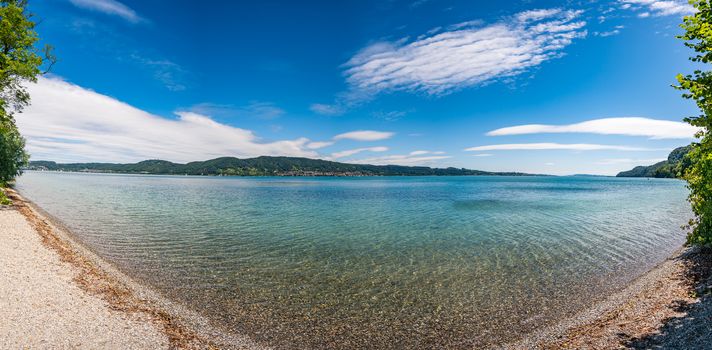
(262, 166)
(297, 175)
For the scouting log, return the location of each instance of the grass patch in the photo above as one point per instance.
(3, 198)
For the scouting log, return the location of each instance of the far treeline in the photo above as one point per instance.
(673, 167)
(260, 166)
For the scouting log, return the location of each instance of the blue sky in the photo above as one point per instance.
(413, 82)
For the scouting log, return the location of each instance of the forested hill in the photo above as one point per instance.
(260, 166)
(669, 168)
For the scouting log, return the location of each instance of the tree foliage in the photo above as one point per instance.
(21, 61)
(698, 87)
(12, 152)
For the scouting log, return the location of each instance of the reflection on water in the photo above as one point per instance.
(373, 262)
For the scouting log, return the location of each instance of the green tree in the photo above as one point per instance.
(12, 152)
(21, 61)
(698, 87)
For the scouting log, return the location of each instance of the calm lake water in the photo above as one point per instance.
(392, 262)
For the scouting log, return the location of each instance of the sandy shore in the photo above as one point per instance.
(42, 306)
(53, 294)
(57, 294)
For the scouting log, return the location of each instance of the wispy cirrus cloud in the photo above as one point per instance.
(351, 152)
(630, 126)
(105, 40)
(423, 152)
(466, 56)
(615, 31)
(390, 115)
(358, 135)
(647, 8)
(319, 144)
(326, 109)
(555, 146)
(69, 123)
(169, 73)
(403, 159)
(365, 135)
(110, 7)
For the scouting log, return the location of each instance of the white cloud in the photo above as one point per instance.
(325, 109)
(351, 152)
(401, 159)
(110, 7)
(537, 15)
(390, 115)
(631, 126)
(466, 56)
(473, 23)
(69, 123)
(319, 144)
(659, 7)
(422, 152)
(608, 33)
(482, 155)
(364, 135)
(554, 146)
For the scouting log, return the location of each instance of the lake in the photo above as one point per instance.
(388, 262)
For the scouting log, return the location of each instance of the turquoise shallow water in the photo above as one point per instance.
(373, 262)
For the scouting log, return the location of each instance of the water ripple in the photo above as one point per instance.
(373, 262)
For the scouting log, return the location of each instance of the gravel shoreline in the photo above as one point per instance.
(92, 278)
(669, 307)
(58, 294)
(42, 307)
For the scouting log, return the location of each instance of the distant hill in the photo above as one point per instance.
(260, 166)
(669, 168)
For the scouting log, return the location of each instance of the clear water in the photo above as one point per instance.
(373, 262)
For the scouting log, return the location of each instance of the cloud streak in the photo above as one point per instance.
(630, 126)
(351, 152)
(170, 74)
(441, 63)
(364, 135)
(401, 159)
(554, 146)
(659, 7)
(319, 144)
(110, 7)
(325, 109)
